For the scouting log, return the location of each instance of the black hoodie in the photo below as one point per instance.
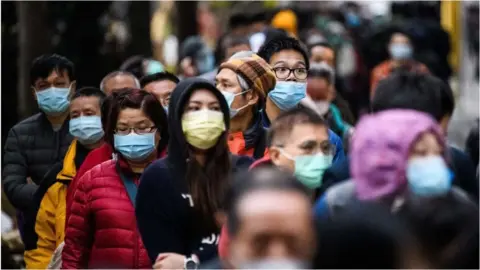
(163, 204)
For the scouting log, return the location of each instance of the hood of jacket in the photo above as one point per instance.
(380, 148)
(177, 145)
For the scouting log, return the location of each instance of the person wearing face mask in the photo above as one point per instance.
(245, 82)
(264, 233)
(290, 63)
(179, 195)
(141, 66)
(407, 160)
(401, 52)
(36, 143)
(322, 92)
(103, 206)
(161, 86)
(298, 144)
(45, 229)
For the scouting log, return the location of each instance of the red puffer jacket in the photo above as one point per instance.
(101, 231)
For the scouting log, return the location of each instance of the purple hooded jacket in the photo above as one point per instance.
(380, 148)
(379, 151)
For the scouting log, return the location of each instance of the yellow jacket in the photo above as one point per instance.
(50, 221)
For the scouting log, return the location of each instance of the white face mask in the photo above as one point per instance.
(322, 106)
(229, 97)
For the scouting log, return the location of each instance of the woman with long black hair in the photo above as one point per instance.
(179, 195)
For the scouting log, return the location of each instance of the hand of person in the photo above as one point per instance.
(169, 261)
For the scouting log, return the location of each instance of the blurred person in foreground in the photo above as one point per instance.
(196, 58)
(266, 234)
(161, 86)
(299, 145)
(366, 236)
(101, 231)
(395, 155)
(289, 61)
(401, 52)
(245, 83)
(117, 80)
(46, 227)
(424, 93)
(447, 230)
(41, 140)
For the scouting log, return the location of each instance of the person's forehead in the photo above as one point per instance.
(92, 102)
(325, 51)
(163, 84)
(226, 74)
(121, 78)
(288, 56)
(261, 202)
(307, 131)
(130, 114)
(398, 37)
(54, 75)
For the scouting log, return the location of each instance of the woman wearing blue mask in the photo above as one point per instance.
(101, 231)
(395, 155)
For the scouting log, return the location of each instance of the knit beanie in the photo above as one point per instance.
(255, 71)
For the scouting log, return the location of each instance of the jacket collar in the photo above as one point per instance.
(69, 170)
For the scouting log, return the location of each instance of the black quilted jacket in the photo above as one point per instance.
(31, 148)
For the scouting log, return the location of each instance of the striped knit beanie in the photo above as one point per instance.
(255, 71)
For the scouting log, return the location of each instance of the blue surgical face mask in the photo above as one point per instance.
(53, 100)
(230, 97)
(274, 264)
(287, 95)
(401, 51)
(154, 67)
(87, 129)
(136, 147)
(428, 176)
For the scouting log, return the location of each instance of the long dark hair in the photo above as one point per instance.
(208, 184)
(136, 99)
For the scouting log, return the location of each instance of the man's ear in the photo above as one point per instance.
(274, 153)
(252, 97)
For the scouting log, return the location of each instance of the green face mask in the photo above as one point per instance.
(309, 169)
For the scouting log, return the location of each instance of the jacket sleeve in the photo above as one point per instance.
(155, 206)
(18, 191)
(45, 230)
(339, 152)
(78, 230)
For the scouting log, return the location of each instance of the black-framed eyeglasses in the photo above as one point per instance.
(139, 131)
(283, 72)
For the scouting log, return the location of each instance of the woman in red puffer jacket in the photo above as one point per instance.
(101, 231)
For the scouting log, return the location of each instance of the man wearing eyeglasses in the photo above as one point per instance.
(289, 60)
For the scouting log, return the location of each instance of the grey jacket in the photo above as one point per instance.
(31, 148)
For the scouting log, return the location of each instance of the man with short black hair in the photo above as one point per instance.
(36, 143)
(289, 60)
(118, 80)
(425, 93)
(160, 85)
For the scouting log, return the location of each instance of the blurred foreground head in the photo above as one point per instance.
(269, 221)
(365, 236)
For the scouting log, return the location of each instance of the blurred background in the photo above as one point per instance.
(99, 36)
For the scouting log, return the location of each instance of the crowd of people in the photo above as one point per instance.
(248, 157)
